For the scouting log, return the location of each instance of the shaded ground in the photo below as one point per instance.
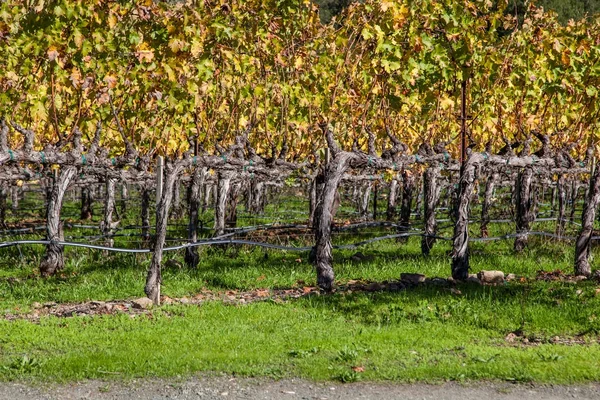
(247, 388)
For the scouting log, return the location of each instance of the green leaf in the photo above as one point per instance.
(591, 91)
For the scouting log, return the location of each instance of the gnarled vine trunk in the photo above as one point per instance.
(107, 225)
(364, 200)
(562, 200)
(53, 259)
(223, 187)
(460, 246)
(257, 204)
(582, 246)
(3, 196)
(324, 214)
(87, 201)
(391, 205)
(14, 196)
(408, 186)
(194, 197)
(154, 277)
(524, 207)
(231, 208)
(431, 194)
(208, 189)
(124, 198)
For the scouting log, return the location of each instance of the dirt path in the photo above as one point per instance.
(223, 388)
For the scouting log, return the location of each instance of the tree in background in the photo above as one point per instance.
(330, 8)
(566, 10)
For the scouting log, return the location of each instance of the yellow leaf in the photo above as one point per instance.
(385, 5)
(78, 38)
(170, 73)
(144, 53)
(176, 45)
(566, 57)
(112, 21)
(446, 103)
(196, 47)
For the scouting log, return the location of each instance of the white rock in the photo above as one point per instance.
(142, 303)
(491, 276)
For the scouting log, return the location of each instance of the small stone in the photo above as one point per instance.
(184, 300)
(579, 278)
(578, 292)
(510, 337)
(166, 300)
(173, 264)
(473, 279)
(413, 278)
(142, 303)
(36, 305)
(525, 340)
(555, 339)
(491, 276)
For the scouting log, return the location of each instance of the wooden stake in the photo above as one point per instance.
(160, 166)
(463, 123)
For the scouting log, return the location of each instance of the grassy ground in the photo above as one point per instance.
(425, 333)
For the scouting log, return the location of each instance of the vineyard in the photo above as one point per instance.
(238, 171)
(408, 192)
(407, 101)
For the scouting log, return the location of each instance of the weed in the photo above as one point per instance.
(550, 357)
(347, 354)
(24, 365)
(347, 376)
(303, 353)
(486, 360)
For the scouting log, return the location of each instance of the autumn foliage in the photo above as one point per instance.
(163, 73)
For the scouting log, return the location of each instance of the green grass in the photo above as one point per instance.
(426, 334)
(404, 337)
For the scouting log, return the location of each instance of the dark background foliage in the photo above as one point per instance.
(566, 9)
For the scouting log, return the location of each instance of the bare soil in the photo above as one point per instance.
(222, 387)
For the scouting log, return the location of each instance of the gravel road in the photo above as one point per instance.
(224, 388)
